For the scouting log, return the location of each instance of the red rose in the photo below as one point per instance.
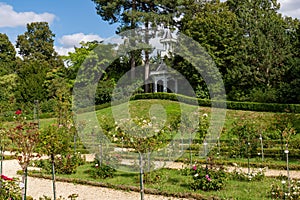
(18, 112)
(6, 178)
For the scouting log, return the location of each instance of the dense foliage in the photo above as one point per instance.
(252, 45)
(255, 48)
(208, 178)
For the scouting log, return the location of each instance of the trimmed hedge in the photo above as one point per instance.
(249, 106)
(244, 164)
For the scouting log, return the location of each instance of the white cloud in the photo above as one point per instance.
(11, 18)
(63, 51)
(68, 42)
(290, 8)
(75, 39)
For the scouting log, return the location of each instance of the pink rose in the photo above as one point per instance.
(207, 177)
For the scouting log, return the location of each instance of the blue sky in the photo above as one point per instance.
(73, 20)
(70, 20)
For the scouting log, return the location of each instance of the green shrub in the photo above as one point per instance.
(102, 171)
(254, 175)
(63, 164)
(68, 164)
(281, 191)
(71, 197)
(48, 106)
(157, 176)
(10, 190)
(208, 179)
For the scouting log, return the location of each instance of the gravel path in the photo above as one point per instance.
(39, 187)
(269, 172)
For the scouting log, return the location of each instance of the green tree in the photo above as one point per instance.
(39, 57)
(55, 140)
(7, 56)
(215, 27)
(265, 48)
(37, 43)
(25, 136)
(94, 56)
(289, 90)
(7, 88)
(144, 138)
(76, 59)
(58, 88)
(137, 14)
(30, 81)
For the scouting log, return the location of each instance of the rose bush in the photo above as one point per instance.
(208, 179)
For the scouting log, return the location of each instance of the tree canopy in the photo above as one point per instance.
(36, 47)
(256, 49)
(7, 56)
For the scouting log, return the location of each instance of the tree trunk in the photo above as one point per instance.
(132, 66)
(147, 59)
(132, 59)
(1, 166)
(24, 181)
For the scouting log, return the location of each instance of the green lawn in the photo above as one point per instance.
(171, 109)
(172, 181)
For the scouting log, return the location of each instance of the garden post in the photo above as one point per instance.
(219, 146)
(181, 143)
(205, 151)
(100, 154)
(247, 146)
(25, 184)
(141, 176)
(149, 160)
(36, 112)
(262, 147)
(1, 164)
(53, 177)
(287, 167)
(122, 144)
(190, 147)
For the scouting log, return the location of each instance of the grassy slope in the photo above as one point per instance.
(140, 108)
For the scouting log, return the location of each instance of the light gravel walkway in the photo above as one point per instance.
(39, 187)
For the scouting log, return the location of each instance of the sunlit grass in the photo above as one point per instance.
(172, 181)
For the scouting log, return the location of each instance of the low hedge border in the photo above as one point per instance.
(245, 164)
(234, 105)
(125, 188)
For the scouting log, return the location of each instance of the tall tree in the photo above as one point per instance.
(7, 56)
(7, 95)
(8, 62)
(215, 27)
(92, 59)
(132, 14)
(265, 47)
(289, 90)
(39, 57)
(37, 43)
